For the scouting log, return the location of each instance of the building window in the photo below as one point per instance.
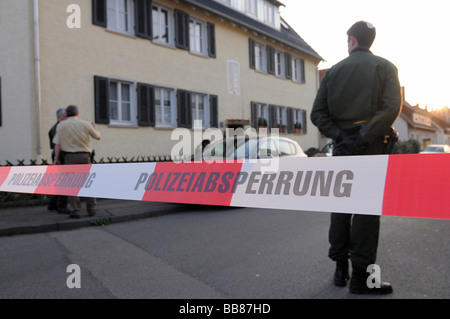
(299, 118)
(122, 104)
(165, 107)
(162, 31)
(121, 16)
(251, 7)
(269, 13)
(234, 77)
(280, 64)
(259, 115)
(200, 110)
(298, 70)
(260, 57)
(197, 40)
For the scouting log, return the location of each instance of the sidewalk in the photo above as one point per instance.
(35, 218)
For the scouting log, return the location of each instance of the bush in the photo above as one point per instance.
(410, 146)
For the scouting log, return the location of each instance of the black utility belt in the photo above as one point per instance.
(77, 153)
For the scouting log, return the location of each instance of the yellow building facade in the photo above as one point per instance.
(142, 68)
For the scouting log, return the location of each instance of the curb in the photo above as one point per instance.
(85, 222)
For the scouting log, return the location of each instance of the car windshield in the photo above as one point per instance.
(437, 149)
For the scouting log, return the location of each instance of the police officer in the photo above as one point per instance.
(358, 101)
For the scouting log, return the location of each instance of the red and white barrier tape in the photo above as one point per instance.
(395, 185)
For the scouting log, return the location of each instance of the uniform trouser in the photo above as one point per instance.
(355, 237)
(80, 158)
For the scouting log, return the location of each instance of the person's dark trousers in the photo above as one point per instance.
(58, 202)
(355, 237)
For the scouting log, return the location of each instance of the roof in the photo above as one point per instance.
(285, 35)
(407, 114)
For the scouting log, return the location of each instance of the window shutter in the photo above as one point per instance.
(181, 29)
(254, 115)
(0, 101)
(184, 109)
(146, 104)
(290, 120)
(304, 120)
(251, 49)
(214, 111)
(288, 64)
(143, 19)
(273, 122)
(99, 15)
(101, 88)
(302, 66)
(211, 40)
(270, 60)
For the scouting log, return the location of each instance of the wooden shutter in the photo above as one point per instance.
(143, 19)
(101, 89)
(251, 49)
(211, 40)
(273, 122)
(270, 59)
(214, 111)
(305, 121)
(254, 115)
(288, 64)
(181, 29)
(302, 70)
(99, 13)
(146, 104)
(184, 109)
(290, 120)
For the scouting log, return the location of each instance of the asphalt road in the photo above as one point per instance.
(209, 253)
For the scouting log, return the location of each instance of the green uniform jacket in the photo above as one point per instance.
(362, 89)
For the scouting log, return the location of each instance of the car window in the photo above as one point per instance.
(286, 148)
(267, 148)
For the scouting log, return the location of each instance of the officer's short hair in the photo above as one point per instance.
(364, 32)
(71, 110)
(60, 112)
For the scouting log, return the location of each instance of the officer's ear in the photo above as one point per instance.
(352, 43)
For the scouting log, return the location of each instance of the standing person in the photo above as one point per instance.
(72, 137)
(58, 203)
(358, 101)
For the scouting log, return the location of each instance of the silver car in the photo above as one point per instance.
(436, 148)
(252, 148)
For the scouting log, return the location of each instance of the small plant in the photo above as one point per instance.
(262, 122)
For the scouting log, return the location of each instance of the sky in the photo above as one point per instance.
(412, 34)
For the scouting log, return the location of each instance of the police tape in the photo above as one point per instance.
(395, 185)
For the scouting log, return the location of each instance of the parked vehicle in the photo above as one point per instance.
(436, 148)
(252, 148)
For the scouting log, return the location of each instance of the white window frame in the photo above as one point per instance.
(158, 25)
(133, 103)
(280, 61)
(206, 117)
(113, 9)
(251, 8)
(269, 13)
(234, 77)
(297, 70)
(160, 110)
(202, 37)
(260, 57)
(262, 110)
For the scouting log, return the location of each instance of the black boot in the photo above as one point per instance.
(358, 284)
(341, 273)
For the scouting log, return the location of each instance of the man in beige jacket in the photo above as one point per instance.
(73, 138)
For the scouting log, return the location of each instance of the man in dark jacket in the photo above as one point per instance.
(57, 202)
(358, 101)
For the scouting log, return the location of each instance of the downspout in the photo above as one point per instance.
(37, 74)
